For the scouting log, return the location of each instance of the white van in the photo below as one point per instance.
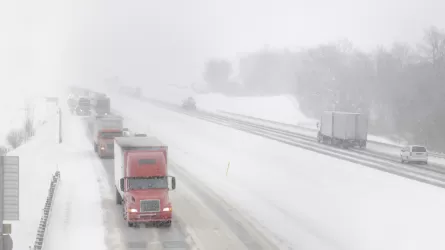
(414, 153)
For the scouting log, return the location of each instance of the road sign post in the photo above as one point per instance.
(60, 125)
(9, 197)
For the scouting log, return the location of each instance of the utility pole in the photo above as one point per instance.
(60, 125)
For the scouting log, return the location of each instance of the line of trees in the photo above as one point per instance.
(401, 88)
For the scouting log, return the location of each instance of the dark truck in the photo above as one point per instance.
(189, 104)
(83, 106)
(101, 105)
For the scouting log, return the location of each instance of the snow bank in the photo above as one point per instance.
(275, 108)
(283, 108)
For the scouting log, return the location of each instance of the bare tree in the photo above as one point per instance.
(3, 150)
(29, 122)
(434, 45)
(15, 138)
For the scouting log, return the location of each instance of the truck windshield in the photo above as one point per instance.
(84, 102)
(419, 149)
(110, 135)
(147, 183)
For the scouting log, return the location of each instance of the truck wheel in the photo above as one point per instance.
(167, 223)
(130, 224)
(118, 198)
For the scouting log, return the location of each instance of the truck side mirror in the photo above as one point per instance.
(173, 183)
(121, 184)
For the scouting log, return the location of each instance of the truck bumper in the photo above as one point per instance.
(149, 217)
(106, 154)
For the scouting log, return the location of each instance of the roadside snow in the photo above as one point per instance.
(76, 220)
(308, 200)
(13, 109)
(39, 159)
(38, 162)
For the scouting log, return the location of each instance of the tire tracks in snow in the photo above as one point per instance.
(113, 234)
(120, 236)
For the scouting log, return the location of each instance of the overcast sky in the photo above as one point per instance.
(157, 42)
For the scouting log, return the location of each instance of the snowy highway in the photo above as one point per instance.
(375, 145)
(85, 208)
(379, 156)
(304, 200)
(235, 190)
(387, 161)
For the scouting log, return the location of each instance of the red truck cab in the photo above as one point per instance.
(142, 176)
(105, 129)
(105, 142)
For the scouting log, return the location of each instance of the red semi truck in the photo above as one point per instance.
(142, 181)
(105, 129)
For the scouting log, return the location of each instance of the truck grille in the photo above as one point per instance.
(150, 206)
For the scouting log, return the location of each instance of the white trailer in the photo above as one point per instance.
(343, 129)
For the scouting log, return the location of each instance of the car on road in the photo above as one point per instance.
(189, 104)
(414, 153)
(126, 132)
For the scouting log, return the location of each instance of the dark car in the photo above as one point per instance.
(189, 104)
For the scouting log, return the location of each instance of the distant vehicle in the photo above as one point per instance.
(343, 129)
(101, 105)
(189, 104)
(142, 181)
(105, 129)
(72, 102)
(126, 132)
(83, 106)
(414, 153)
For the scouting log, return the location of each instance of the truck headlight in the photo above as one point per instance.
(167, 209)
(133, 210)
(102, 148)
